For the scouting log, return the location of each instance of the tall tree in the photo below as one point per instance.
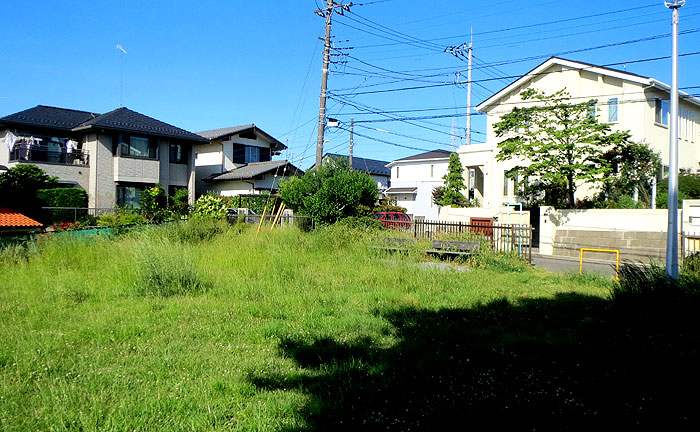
(454, 183)
(558, 142)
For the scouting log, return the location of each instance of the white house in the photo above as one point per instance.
(238, 161)
(625, 100)
(413, 180)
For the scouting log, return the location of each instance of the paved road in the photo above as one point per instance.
(562, 264)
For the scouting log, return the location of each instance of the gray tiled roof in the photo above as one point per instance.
(369, 166)
(255, 169)
(126, 120)
(121, 120)
(434, 154)
(49, 117)
(215, 134)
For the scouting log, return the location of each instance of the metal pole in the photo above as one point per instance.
(352, 128)
(672, 235)
(469, 96)
(324, 85)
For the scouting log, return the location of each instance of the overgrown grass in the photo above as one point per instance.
(185, 328)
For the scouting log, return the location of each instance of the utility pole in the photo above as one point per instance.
(327, 13)
(458, 51)
(672, 234)
(469, 91)
(352, 128)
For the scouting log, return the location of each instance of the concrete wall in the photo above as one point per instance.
(637, 234)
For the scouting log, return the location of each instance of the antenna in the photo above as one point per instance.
(122, 51)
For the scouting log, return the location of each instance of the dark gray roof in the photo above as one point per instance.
(434, 154)
(121, 119)
(126, 120)
(255, 169)
(215, 134)
(369, 166)
(49, 117)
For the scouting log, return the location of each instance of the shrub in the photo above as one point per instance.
(153, 204)
(211, 207)
(179, 202)
(120, 218)
(363, 223)
(193, 231)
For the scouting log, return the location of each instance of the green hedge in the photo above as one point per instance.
(63, 197)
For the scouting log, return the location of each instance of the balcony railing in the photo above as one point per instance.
(48, 154)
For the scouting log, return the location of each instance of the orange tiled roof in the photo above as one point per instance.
(11, 218)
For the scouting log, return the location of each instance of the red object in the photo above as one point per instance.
(12, 219)
(394, 220)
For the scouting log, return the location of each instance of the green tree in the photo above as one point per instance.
(637, 166)
(19, 186)
(331, 192)
(557, 142)
(454, 184)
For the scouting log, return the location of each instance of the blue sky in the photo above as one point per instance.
(211, 64)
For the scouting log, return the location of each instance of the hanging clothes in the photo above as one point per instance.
(71, 145)
(10, 140)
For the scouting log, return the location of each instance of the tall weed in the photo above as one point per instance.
(165, 271)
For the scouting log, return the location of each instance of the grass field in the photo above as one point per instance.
(205, 327)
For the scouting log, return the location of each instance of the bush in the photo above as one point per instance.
(179, 202)
(120, 218)
(64, 197)
(210, 207)
(363, 223)
(193, 231)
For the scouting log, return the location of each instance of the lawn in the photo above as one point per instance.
(205, 327)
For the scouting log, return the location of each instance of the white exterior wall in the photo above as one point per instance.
(417, 174)
(636, 113)
(239, 187)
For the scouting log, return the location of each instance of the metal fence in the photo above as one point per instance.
(502, 237)
(74, 214)
(690, 243)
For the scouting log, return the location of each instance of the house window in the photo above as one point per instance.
(397, 172)
(505, 183)
(612, 110)
(691, 121)
(129, 194)
(431, 170)
(138, 147)
(177, 154)
(591, 111)
(661, 112)
(252, 154)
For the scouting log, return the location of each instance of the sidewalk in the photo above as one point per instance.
(566, 264)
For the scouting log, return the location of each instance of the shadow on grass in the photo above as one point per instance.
(568, 363)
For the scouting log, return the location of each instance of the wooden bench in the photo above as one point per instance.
(453, 248)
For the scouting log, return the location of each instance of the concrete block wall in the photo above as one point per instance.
(633, 245)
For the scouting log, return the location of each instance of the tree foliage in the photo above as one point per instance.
(558, 142)
(637, 166)
(19, 186)
(331, 192)
(451, 193)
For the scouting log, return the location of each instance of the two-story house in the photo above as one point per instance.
(113, 156)
(413, 179)
(238, 161)
(624, 100)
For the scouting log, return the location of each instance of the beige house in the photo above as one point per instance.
(627, 101)
(113, 156)
(238, 161)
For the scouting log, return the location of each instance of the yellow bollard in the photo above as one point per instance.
(617, 261)
(262, 218)
(279, 213)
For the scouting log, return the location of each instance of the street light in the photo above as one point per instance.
(672, 235)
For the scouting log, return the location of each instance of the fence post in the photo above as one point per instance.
(512, 238)
(683, 238)
(530, 244)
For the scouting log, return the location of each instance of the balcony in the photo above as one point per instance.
(51, 155)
